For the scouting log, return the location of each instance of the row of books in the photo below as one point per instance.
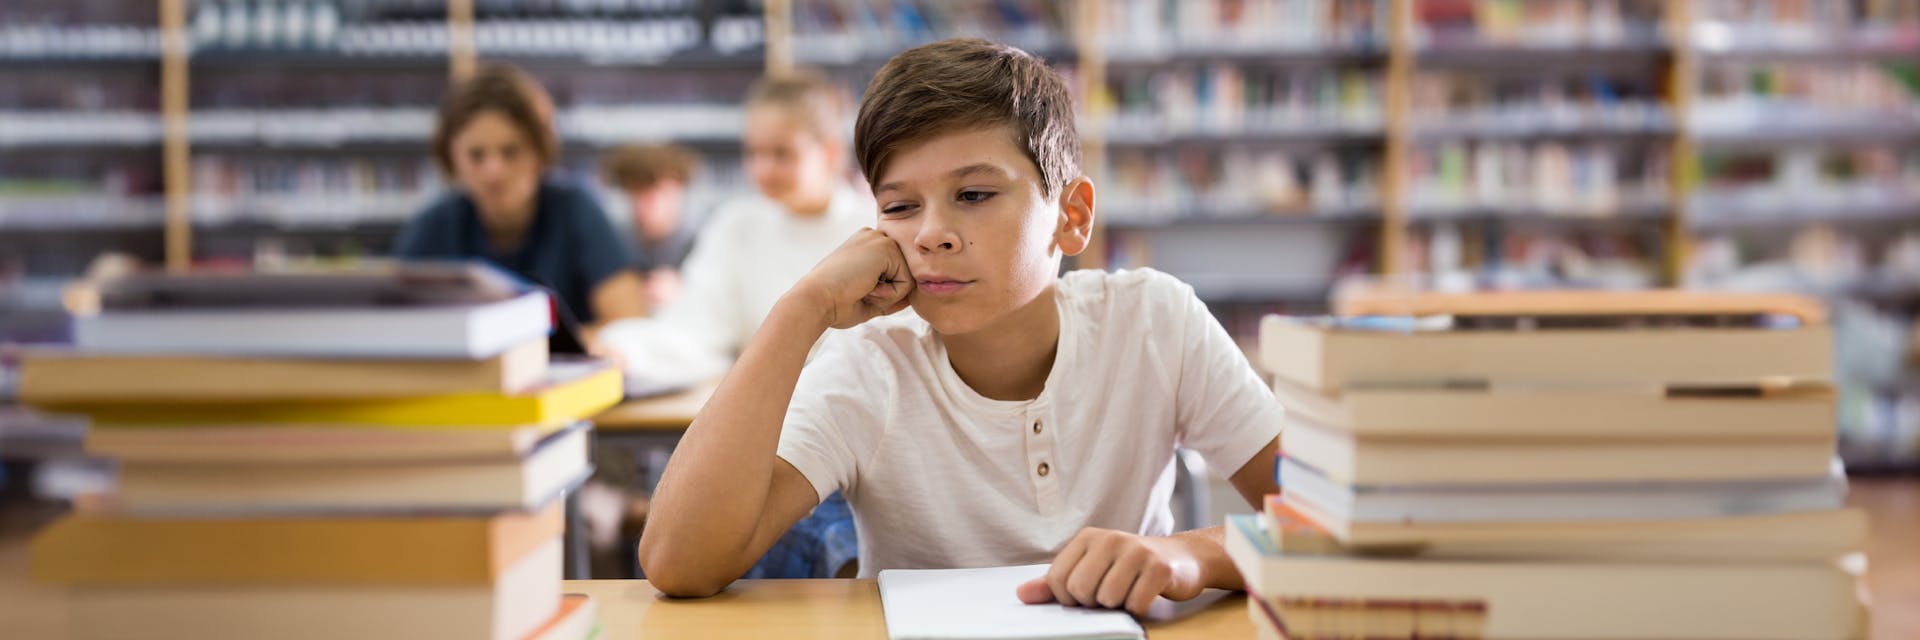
(1538, 23)
(75, 175)
(115, 88)
(1504, 254)
(319, 189)
(60, 128)
(592, 125)
(1147, 29)
(1540, 177)
(1735, 24)
(1230, 98)
(267, 87)
(370, 454)
(287, 193)
(326, 25)
(335, 27)
(1554, 465)
(840, 31)
(1162, 185)
(230, 176)
(78, 12)
(1863, 263)
(534, 8)
(1812, 184)
(1455, 101)
(266, 24)
(1225, 97)
(1810, 166)
(1762, 95)
(107, 42)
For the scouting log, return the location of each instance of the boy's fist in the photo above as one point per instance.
(865, 278)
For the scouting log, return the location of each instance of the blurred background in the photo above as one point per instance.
(1266, 151)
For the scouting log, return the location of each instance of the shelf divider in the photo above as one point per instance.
(176, 166)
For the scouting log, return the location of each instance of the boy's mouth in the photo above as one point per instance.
(941, 286)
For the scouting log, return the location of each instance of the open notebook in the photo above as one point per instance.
(959, 604)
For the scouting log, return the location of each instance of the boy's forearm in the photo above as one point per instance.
(714, 491)
(1209, 550)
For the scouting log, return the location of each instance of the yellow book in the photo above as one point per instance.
(573, 391)
(102, 549)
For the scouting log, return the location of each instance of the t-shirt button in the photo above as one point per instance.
(1036, 427)
(1043, 469)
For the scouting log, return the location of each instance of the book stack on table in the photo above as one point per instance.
(1554, 465)
(380, 453)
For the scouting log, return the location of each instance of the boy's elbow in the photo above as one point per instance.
(679, 577)
(684, 582)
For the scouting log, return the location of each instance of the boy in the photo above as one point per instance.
(654, 178)
(752, 250)
(1012, 420)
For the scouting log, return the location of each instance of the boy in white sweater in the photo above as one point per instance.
(1021, 417)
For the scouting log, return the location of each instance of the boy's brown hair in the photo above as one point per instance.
(968, 83)
(805, 93)
(637, 167)
(502, 89)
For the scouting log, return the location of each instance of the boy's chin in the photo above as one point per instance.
(951, 319)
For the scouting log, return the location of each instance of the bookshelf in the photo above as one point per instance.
(1806, 176)
(314, 145)
(80, 148)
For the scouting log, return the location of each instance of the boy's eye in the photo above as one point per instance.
(896, 209)
(976, 197)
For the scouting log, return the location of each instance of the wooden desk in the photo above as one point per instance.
(816, 609)
(666, 413)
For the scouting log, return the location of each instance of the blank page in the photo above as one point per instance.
(960, 604)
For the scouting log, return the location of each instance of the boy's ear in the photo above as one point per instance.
(1075, 230)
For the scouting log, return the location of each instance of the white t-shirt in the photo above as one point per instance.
(941, 477)
(748, 256)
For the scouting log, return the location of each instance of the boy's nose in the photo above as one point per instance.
(936, 236)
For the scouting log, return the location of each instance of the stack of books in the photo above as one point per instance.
(379, 453)
(1554, 465)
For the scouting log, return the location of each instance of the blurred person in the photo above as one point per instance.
(756, 245)
(653, 180)
(495, 140)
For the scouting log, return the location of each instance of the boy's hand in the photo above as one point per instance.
(1110, 569)
(866, 277)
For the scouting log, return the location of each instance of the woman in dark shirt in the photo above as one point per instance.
(496, 142)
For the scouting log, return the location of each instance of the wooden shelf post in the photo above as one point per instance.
(463, 56)
(176, 165)
(1393, 186)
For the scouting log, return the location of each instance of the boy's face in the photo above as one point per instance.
(788, 163)
(980, 235)
(656, 209)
